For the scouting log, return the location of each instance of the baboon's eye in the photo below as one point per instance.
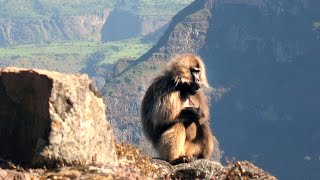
(195, 74)
(195, 70)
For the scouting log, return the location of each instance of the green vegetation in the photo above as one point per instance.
(46, 8)
(43, 8)
(133, 48)
(113, 50)
(69, 57)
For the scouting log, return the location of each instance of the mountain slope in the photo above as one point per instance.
(34, 21)
(266, 54)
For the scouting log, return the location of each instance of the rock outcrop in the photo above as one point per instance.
(133, 165)
(49, 118)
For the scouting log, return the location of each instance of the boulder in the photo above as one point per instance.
(49, 118)
(201, 169)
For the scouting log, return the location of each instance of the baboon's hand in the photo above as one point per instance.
(191, 113)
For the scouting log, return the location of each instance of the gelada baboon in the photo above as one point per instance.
(175, 113)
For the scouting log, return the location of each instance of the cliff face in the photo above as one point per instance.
(25, 30)
(268, 55)
(265, 53)
(186, 33)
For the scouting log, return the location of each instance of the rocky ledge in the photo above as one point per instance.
(132, 165)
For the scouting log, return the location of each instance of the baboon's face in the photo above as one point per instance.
(191, 84)
(188, 75)
(195, 80)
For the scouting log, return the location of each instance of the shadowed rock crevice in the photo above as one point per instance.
(24, 113)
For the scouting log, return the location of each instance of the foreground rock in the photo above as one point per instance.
(133, 165)
(48, 118)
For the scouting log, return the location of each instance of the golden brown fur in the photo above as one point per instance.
(175, 118)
